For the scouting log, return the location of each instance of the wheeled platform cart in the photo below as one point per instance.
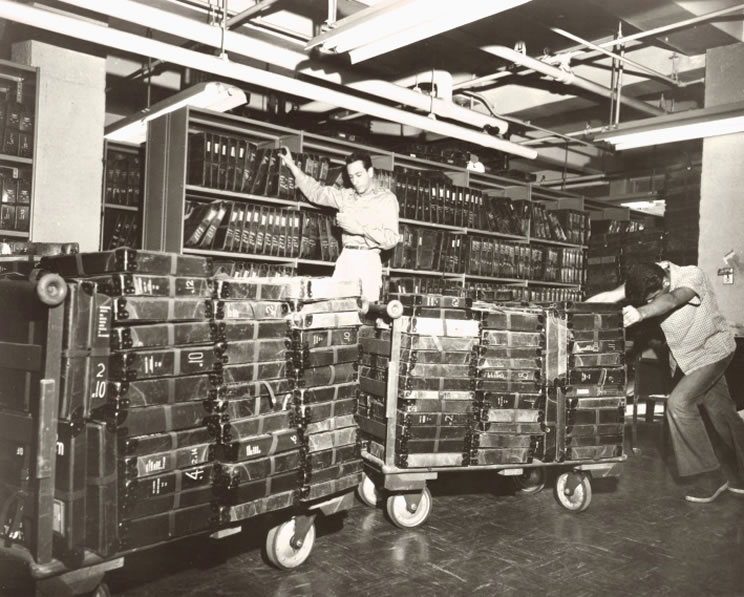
(515, 389)
(143, 400)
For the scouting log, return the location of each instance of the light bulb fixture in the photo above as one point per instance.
(682, 126)
(211, 95)
(392, 24)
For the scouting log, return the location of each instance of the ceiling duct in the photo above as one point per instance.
(293, 60)
(568, 77)
(220, 67)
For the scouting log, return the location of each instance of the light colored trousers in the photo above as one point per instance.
(363, 265)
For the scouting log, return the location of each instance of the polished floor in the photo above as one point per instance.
(638, 537)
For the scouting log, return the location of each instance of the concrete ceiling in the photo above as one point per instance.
(513, 92)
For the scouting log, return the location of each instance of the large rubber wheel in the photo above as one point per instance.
(577, 500)
(281, 551)
(404, 517)
(51, 289)
(367, 492)
(532, 480)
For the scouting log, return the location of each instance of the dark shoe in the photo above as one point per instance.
(708, 487)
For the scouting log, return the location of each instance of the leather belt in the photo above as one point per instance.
(360, 248)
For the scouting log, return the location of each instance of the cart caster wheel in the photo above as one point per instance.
(101, 590)
(51, 289)
(403, 516)
(574, 491)
(367, 492)
(531, 481)
(283, 551)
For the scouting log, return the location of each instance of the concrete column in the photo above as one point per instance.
(68, 158)
(722, 185)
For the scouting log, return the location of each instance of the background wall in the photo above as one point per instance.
(722, 185)
(69, 135)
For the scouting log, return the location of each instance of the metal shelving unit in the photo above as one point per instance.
(167, 189)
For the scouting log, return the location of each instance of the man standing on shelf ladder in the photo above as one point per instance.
(701, 345)
(367, 216)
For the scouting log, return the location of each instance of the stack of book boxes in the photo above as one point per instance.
(141, 397)
(283, 418)
(511, 387)
(435, 382)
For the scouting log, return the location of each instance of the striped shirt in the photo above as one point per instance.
(376, 210)
(697, 333)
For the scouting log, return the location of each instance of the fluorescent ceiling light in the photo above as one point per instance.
(692, 124)
(213, 95)
(128, 42)
(392, 24)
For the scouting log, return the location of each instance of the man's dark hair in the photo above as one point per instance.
(359, 156)
(643, 279)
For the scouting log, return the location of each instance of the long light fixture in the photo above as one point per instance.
(392, 24)
(212, 95)
(692, 124)
(109, 37)
(248, 44)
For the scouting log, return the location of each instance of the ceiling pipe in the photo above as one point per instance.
(249, 13)
(621, 58)
(297, 61)
(586, 55)
(567, 77)
(476, 81)
(221, 67)
(551, 134)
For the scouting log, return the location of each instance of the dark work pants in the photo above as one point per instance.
(693, 449)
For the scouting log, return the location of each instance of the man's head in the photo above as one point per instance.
(644, 283)
(360, 171)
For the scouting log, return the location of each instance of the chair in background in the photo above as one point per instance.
(652, 383)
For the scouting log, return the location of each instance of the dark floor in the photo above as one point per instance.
(638, 537)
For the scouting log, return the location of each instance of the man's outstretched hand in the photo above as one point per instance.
(286, 156)
(631, 316)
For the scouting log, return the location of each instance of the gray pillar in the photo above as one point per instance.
(722, 184)
(68, 158)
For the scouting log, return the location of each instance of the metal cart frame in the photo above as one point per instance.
(406, 488)
(288, 544)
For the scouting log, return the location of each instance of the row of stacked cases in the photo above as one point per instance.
(491, 384)
(85, 330)
(121, 229)
(239, 227)
(510, 398)
(475, 290)
(17, 118)
(233, 163)
(563, 225)
(450, 252)
(430, 196)
(123, 184)
(246, 269)
(15, 198)
(191, 401)
(615, 246)
(434, 379)
(596, 377)
(283, 417)
(140, 395)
